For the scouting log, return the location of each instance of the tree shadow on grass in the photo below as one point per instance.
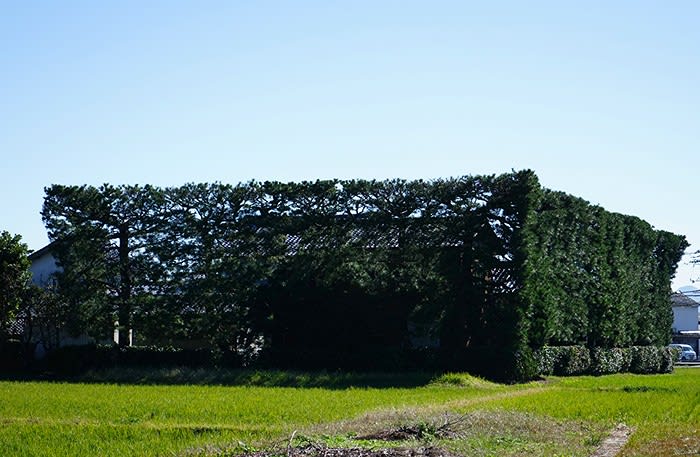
(235, 377)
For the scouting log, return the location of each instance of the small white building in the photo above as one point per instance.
(43, 266)
(685, 313)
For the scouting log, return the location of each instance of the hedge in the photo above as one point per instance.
(563, 360)
(71, 360)
(357, 274)
(549, 360)
(608, 361)
(578, 360)
(13, 356)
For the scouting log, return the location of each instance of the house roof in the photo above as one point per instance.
(679, 299)
(40, 252)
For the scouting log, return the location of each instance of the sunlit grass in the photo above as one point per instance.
(664, 409)
(47, 418)
(78, 419)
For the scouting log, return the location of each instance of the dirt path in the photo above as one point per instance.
(615, 442)
(497, 396)
(610, 447)
(372, 421)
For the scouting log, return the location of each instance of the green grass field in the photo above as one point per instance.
(562, 416)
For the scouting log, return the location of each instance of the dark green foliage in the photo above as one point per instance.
(13, 356)
(650, 359)
(577, 360)
(45, 316)
(102, 239)
(526, 366)
(73, 360)
(546, 358)
(14, 275)
(563, 360)
(472, 273)
(668, 358)
(608, 361)
(156, 356)
(597, 278)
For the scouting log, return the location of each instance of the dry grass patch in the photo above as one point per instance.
(670, 443)
(476, 433)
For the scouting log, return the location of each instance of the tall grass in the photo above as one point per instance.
(664, 409)
(105, 419)
(40, 418)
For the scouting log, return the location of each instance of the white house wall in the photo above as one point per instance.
(42, 269)
(685, 318)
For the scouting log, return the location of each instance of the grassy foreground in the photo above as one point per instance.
(558, 417)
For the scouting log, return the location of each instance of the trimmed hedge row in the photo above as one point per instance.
(549, 360)
(578, 360)
(596, 278)
(76, 359)
(12, 356)
(355, 274)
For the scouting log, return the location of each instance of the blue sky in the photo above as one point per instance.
(601, 99)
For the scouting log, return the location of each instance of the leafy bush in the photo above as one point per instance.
(166, 356)
(651, 359)
(645, 359)
(668, 357)
(576, 360)
(676, 352)
(563, 360)
(608, 361)
(72, 360)
(546, 357)
(12, 356)
(526, 365)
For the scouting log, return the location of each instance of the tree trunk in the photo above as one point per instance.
(124, 312)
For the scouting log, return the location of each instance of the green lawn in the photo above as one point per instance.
(40, 418)
(44, 418)
(664, 409)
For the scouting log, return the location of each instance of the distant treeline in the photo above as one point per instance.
(470, 273)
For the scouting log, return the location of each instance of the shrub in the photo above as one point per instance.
(157, 356)
(646, 359)
(651, 359)
(668, 357)
(526, 365)
(546, 357)
(576, 360)
(609, 361)
(676, 352)
(12, 356)
(563, 360)
(72, 360)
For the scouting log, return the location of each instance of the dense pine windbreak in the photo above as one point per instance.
(597, 278)
(468, 273)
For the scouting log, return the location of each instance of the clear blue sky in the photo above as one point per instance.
(600, 98)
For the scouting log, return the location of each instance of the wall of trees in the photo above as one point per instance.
(596, 278)
(466, 273)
